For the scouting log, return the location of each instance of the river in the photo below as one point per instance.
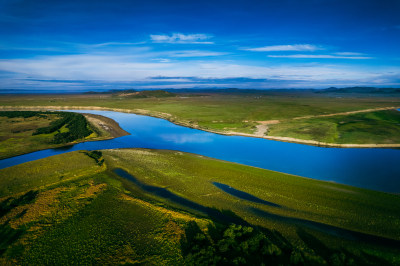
(372, 168)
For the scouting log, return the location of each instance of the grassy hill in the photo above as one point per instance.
(138, 206)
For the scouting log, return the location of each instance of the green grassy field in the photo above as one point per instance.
(19, 134)
(71, 209)
(371, 127)
(226, 112)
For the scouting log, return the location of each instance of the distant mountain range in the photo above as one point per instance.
(157, 93)
(359, 90)
(130, 93)
(173, 92)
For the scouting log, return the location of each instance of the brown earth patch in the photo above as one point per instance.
(105, 124)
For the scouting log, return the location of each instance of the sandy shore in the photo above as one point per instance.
(170, 118)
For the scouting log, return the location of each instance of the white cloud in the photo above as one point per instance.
(319, 56)
(182, 38)
(162, 60)
(116, 44)
(194, 53)
(187, 138)
(292, 47)
(348, 53)
(132, 68)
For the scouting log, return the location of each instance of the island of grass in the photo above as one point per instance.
(27, 131)
(139, 206)
(326, 118)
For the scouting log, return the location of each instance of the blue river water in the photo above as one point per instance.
(377, 169)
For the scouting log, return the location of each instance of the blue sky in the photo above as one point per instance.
(90, 45)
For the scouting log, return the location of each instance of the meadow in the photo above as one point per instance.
(87, 213)
(371, 127)
(238, 112)
(27, 131)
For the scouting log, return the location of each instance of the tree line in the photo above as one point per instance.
(76, 124)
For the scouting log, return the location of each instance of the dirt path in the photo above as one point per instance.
(262, 128)
(348, 113)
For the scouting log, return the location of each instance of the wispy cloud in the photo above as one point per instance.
(123, 67)
(319, 56)
(116, 44)
(194, 53)
(348, 54)
(182, 38)
(161, 60)
(149, 69)
(291, 47)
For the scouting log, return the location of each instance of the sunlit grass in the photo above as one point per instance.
(91, 215)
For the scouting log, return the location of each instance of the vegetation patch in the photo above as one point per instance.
(93, 216)
(232, 244)
(76, 125)
(28, 131)
(42, 173)
(97, 156)
(381, 127)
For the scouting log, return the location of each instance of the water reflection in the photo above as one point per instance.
(186, 138)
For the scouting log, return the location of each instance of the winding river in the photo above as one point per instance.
(373, 168)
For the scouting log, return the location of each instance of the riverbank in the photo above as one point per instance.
(174, 120)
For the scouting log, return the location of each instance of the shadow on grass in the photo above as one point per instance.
(328, 229)
(338, 257)
(243, 195)
(10, 203)
(224, 216)
(9, 235)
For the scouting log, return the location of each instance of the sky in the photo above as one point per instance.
(81, 45)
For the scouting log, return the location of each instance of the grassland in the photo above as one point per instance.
(370, 127)
(87, 214)
(19, 134)
(241, 113)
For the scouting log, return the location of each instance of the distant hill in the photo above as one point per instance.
(136, 94)
(170, 92)
(110, 91)
(360, 90)
(146, 94)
